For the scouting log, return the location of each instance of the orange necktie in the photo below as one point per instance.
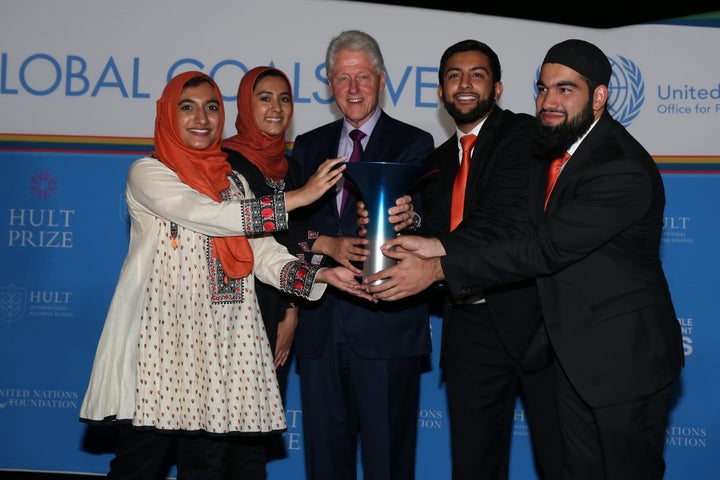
(458, 193)
(553, 173)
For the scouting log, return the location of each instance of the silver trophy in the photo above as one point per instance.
(379, 185)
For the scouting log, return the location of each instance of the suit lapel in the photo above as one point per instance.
(536, 192)
(448, 166)
(377, 142)
(580, 159)
(477, 175)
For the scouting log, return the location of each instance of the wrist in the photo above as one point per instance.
(320, 275)
(319, 245)
(437, 271)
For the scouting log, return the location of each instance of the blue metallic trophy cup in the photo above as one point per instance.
(380, 184)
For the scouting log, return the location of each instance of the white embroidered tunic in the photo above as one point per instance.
(183, 348)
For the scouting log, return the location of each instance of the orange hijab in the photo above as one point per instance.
(267, 152)
(206, 170)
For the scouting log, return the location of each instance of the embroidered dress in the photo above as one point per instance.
(184, 347)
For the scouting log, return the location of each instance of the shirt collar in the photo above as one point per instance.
(475, 131)
(366, 127)
(575, 145)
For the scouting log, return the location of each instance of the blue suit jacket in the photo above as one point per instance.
(380, 331)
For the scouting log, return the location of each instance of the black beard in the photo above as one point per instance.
(482, 108)
(553, 142)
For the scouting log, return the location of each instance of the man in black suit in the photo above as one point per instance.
(359, 363)
(593, 245)
(485, 337)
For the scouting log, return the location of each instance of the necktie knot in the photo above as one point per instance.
(560, 161)
(467, 142)
(356, 136)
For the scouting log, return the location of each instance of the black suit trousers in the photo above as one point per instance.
(616, 442)
(483, 382)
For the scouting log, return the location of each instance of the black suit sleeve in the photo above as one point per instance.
(600, 203)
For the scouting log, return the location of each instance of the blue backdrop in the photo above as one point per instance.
(65, 233)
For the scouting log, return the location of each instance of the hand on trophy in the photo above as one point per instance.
(344, 250)
(401, 215)
(344, 279)
(325, 177)
(425, 247)
(418, 267)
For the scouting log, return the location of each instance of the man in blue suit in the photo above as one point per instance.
(359, 363)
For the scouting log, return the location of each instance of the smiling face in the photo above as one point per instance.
(564, 96)
(566, 108)
(272, 105)
(199, 117)
(468, 90)
(356, 85)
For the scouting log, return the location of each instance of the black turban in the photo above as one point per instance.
(583, 57)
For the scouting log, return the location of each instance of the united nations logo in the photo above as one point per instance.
(626, 90)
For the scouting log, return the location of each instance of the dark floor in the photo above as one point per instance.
(29, 475)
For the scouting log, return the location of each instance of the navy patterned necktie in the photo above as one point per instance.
(357, 151)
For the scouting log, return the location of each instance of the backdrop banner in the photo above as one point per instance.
(78, 84)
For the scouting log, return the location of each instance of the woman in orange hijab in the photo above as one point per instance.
(258, 152)
(183, 349)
